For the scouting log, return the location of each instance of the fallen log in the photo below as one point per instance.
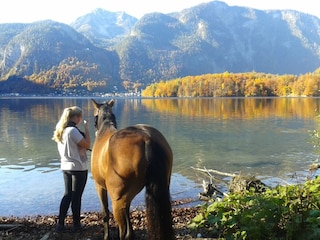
(237, 183)
(215, 172)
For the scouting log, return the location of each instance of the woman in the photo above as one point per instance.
(72, 147)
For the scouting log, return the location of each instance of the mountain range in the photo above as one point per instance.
(112, 51)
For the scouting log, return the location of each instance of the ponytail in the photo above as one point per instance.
(67, 114)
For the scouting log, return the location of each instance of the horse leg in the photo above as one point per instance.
(121, 215)
(103, 196)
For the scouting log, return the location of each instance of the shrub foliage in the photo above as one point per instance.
(284, 212)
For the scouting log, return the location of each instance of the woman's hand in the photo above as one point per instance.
(85, 123)
(85, 142)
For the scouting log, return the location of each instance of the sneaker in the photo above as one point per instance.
(77, 228)
(60, 228)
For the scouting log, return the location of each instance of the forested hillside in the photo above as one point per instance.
(250, 84)
(215, 38)
(55, 56)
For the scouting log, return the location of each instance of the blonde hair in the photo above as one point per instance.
(67, 114)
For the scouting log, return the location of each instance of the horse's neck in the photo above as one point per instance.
(112, 129)
(106, 130)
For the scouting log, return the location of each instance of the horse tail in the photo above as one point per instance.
(158, 201)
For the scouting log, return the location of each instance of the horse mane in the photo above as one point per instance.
(105, 119)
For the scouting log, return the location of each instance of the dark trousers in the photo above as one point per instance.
(74, 181)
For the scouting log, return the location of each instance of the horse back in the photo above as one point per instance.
(139, 135)
(129, 149)
(122, 158)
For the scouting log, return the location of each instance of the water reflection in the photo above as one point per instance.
(243, 108)
(265, 137)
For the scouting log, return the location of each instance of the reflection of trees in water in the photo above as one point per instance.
(243, 108)
(27, 126)
(193, 127)
(226, 133)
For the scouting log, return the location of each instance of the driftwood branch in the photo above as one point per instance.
(314, 166)
(214, 171)
(238, 183)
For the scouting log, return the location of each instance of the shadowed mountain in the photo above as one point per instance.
(103, 50)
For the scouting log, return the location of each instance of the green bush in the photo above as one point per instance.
(285, 212)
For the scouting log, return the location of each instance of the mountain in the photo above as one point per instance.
(214, 37)
(104, 51)
(54, 54)
(104, 28)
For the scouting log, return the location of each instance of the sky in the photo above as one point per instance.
(67, 11)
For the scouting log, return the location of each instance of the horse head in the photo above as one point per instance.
(103, 115)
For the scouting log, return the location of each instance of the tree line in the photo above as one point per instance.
(249, 84)
(71, 73)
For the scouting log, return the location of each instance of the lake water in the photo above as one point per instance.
(268, 138)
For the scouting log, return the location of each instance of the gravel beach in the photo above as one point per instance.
(42, 227)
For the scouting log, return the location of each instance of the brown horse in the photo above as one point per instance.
(123, 163)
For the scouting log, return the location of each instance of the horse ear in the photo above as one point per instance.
(95, 104)
(111, 103)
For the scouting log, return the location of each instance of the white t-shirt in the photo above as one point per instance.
(72, 156)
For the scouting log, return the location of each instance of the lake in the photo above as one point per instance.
(265, 137)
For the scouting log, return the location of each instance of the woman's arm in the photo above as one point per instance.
(86, 141)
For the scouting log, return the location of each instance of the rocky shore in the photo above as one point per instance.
(42, 227)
